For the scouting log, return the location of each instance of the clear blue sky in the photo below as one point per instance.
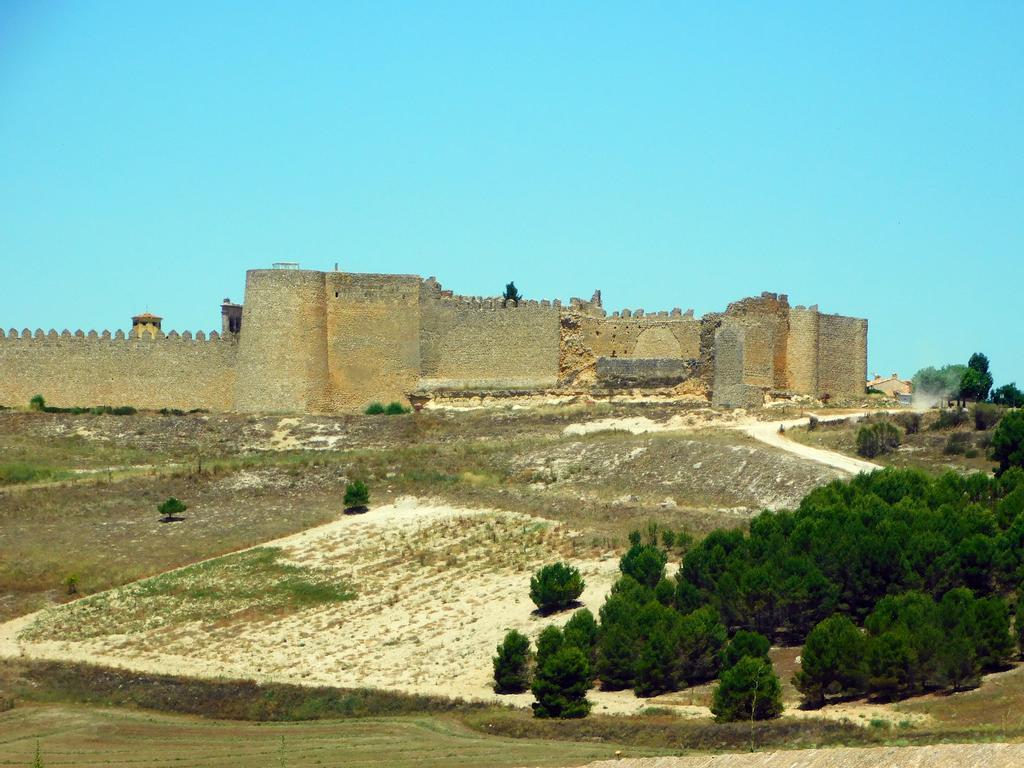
(868, 157)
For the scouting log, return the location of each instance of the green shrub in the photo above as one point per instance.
(750, 690)
(832, 661)
(745, 643)
(645, 563)
(957, 443)
(581, 630)
(876, 439)
(987, 416)
(19, 472)
(511, 673)
(374, 409)
(812, 423)
(950, 418)
(1008, 395)
(971, 453)
(555, 587)
(561, 683)
(1008, 442)
(909, 421)
(171, 508)
(357, 495)
(37, 403)
(124, 410)
(395, 408)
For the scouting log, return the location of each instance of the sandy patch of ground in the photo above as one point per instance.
(768, 432)
(937, 756)
(438, 587)
(638, 425)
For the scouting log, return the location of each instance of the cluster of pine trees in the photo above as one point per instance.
(897, 581)
(912, 644)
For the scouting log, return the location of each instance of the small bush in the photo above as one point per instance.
(171, 412)
(971, 453)
(910, 421)
(37, 403)
(555, 587)
(812, 423)
(124, 410)
(171, 509)
(950, 418)
(957, 443)
(395, 409)
(511, 674)
(20, 472)
(876, 439)
(987, 416)
(374, 409)
(356, 495)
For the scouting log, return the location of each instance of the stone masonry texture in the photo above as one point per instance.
(320, 342)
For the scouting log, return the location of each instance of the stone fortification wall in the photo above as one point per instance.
(476, 343)
(638, 373)
(282, 359)
(588, 334)
(802, 352)
(730, 389)
(86, 369)
(842, 355)
(373, 338)
(765, 323)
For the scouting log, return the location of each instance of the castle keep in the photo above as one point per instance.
(308, 341)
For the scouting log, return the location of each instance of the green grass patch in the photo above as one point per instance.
(19, 472)
(254, 582)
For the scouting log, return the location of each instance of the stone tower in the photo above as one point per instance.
(146, 324)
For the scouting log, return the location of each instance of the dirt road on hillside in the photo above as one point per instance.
(768, 432)
(938, 756)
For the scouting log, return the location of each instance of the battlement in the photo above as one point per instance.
(315, 341)
(105, 335)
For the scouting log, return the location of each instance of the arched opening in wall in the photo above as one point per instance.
(657, 343)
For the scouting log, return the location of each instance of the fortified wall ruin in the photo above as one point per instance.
(309, 341)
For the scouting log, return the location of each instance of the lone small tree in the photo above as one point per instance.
(510, 665)
(357, 495)
(171, 510)
(555, 587)
(561, 684)
(750, 690)
(512, 294)
(37, 403)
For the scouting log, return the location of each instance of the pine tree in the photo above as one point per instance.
(561, 684)
(748, 691)
(511, 673)
(832, 661)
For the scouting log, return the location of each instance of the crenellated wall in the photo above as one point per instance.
(86, 369)
(373, 330)
(314, 342)
(476, 343)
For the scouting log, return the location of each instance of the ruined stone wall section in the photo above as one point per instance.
(842, 355)
(802, 353)
(730, 389)
(373, 338)
(282, 360)
(479, 343)
(99, 368)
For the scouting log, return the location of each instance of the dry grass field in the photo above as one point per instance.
(267, 579)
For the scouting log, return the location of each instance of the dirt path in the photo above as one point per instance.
(937, 756)
(768, 432)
